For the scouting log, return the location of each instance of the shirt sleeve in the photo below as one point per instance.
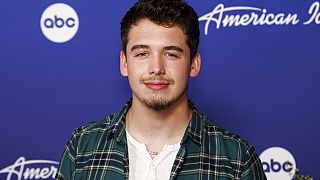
(67, 163)
(252, 168)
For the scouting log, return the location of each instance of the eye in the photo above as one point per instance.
(171, 55)
(141, 54)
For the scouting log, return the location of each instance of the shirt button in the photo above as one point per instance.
(152, 164)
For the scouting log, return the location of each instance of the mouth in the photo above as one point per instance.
(157, 86)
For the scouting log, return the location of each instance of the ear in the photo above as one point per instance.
(123, 64)
(195, 66)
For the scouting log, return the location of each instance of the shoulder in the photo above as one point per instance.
(218, 146)
(93, 133)
(228, 143)
(95, 126)
(231, 147)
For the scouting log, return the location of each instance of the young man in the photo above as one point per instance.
(158, 134)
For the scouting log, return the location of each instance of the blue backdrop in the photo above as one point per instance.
(257, 80)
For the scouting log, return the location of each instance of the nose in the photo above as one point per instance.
(156, 65)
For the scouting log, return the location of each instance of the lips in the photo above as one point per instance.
(156, 86)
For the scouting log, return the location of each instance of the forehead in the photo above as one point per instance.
(148, 33)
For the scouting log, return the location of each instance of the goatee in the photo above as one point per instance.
(156, 103)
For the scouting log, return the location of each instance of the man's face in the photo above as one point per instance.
(157, 63)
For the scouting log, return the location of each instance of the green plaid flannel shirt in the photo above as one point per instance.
(99, 151)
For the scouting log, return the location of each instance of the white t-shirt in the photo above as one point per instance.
(143, 167)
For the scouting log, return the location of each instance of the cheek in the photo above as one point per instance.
(180, 71)
(135, 68)
(135, 73)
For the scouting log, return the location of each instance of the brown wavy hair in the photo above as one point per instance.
(167, 13)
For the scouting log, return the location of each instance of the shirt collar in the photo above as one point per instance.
(116, 128)
(194, 129)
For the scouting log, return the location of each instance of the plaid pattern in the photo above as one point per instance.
(99, 151)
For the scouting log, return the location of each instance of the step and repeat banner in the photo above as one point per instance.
(59, 69)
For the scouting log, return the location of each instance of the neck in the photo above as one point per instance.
(158, 128)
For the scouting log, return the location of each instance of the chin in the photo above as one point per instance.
(157, 103)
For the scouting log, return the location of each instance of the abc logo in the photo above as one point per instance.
(59, 23)
(278, 163)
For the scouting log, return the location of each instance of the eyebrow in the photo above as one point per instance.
(175, 48)
(139, 46)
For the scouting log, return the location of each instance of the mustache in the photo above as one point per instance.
(157, 79)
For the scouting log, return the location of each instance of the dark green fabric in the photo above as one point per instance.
(99, 151)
